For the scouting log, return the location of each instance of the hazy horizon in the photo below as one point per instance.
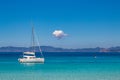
(63, 47)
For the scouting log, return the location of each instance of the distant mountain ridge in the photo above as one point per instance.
(54, 49)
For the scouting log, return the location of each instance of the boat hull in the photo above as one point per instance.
(35, 60)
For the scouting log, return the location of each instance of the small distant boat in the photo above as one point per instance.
(95, 57)
(30, 57)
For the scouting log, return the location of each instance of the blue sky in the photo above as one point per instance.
(88, 23)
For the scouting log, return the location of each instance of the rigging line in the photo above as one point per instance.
(39, 45)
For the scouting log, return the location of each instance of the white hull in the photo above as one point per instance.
(34, 60)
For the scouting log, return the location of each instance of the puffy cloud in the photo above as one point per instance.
(59, 34)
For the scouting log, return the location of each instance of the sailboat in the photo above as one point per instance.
(30, 57)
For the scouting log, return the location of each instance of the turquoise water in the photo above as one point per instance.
(61, 67)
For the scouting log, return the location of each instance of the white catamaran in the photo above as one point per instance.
(30, 57)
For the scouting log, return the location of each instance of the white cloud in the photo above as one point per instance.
(59, 34)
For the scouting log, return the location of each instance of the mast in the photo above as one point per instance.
(33, 39)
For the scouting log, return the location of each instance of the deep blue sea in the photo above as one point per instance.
(62, 66)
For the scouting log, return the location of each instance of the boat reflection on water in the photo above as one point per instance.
(31, 64)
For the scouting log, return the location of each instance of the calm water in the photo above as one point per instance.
(62, 66)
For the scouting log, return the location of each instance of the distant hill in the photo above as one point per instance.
(54, 49)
